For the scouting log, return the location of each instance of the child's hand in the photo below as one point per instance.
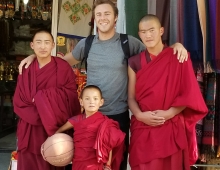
(107, 167)
(42, 151)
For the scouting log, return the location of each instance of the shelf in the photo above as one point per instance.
(16, 57)
(22, 38)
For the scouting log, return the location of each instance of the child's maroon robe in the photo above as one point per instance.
(94, 137)
(161, 84)
(53, 89)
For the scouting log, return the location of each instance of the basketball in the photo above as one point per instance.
(58, 149)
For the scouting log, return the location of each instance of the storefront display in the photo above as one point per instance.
(19, 19)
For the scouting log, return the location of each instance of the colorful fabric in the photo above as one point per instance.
(209, 120)
(212, 28)
(94, 137)
(193, 41)
(168, 78)
(217, 45)
(199, 125)
(134, 10)
(173, 31)
(151, 4)
(163, 13)
(53, 90)
(211, 137)
(180, 22)
(202, 19)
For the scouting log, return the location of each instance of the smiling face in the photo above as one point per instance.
(91, 100)
(150, 33)
(42, 45)
(105, 19)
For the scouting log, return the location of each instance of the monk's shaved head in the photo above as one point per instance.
(151, 17)
(150, 32)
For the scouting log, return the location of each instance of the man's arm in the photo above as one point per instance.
(28, 60)
(148, 117)
(70, 59)
(182, 54)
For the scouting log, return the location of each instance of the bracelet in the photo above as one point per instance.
(107, 167)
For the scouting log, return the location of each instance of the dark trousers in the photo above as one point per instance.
(68, 167)
(124, 122)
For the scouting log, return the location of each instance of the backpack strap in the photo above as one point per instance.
(125, 46)
(88, 44)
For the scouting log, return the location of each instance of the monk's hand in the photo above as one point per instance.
(27, 61)
(181, 52)
(164, 113)
(151, 119)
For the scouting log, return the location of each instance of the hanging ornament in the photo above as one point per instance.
(17, 3)
(25, 5)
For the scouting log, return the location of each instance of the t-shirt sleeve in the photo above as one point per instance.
(135, 45)
(78, 51)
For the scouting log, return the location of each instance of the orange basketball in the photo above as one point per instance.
(58, 149)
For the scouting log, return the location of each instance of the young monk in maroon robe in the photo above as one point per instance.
(44, 99)
(98, 140)
(166, 103)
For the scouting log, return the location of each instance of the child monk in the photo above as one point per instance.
(98, 140)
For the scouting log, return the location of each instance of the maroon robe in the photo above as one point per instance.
(53, 89)
(161, 84)
(94, 137)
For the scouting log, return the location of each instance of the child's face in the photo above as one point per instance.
(91, 101)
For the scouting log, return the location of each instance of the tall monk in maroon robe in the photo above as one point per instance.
(166, 103)
(45, 98)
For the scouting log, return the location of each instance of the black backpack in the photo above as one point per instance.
(124, 46)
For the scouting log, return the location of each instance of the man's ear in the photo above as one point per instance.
(116, 18)
(161, 31)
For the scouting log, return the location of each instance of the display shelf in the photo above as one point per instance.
(8, 119)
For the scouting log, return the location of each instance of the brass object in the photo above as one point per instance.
(11, 73)
(1, 70)
(61, 40)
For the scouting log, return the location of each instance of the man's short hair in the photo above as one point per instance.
(100, 2)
